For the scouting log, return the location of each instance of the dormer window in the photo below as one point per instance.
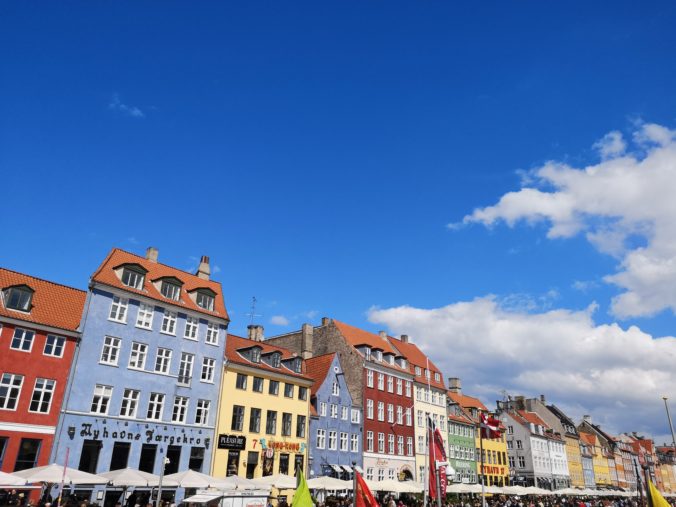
(389, 358)
(132, 277)
(403, 363)
(18, 298)
(205, 300)
(367, 353)
(378, 355)
(296, 365)
(418, 371)
(170, 290)
(437, 377)
(255, 355)
(275, 360)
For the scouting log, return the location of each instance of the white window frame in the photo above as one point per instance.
(27, 336)
(369, 409)
(334, 411)
(169, 320)
(129, 405)
(164, 360)
(343, 413)
(43, 392)
(101, 399)
(202, 412)
(369, 378)
(390, 384)
(144, 315)
(133, 276)
(390, 443)
(138, 354)
(185, 368)
(212, 334)
(192, 325)
(180, 409)
(335, 388)
(57, 342)
(155, 406)
(205, 301)
(369, 441)
(399, 386)
(320, 441)
(409, 416)
(381, 382)
(390, 413)
(355, 416)
(381, 443)
(400, 415)
(333, 440)
(171, 291)
(381, 411)
(119, 308)
(322, 408)
(111, 348)
(208, 368)
(354, 442)
(343, 442)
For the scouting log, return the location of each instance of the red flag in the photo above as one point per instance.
(437, 455)
(490, 427)
(364, 497)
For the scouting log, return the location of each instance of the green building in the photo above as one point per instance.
(461, 444)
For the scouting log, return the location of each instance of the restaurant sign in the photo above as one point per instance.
(232, 442)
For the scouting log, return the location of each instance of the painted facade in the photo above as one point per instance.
(335, 421)
(587, 457)
(264, 410)
(146, 376)
(461, 445)
(39, 323)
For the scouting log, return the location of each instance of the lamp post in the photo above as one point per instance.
(671, 426)
(165, 462)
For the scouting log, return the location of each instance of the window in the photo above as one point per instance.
(333, 440)
(343, 441)
(170, 290)
(334, 411)
(511, 462)
(169, 322)
(271, 422)
(390, 384)
(155, 406)
(146, 462)
(191, 328)
(110, 351)
(288, 390)
(369, 378)
(418, 371)
(381, 381)
(354, 442)
(322, 409)
(286, 424)
(22, 340)
(369, 441)
(437, 377)
(522, 462)
(118, 309)
(421, 422)
(343, 413)
(137, 358)
(519, 444)
(237, 418)
(354, 416)
(300, 426)
(180, 409)
(255, 420)
(212, 333)
(163, 360)
(185, 368)
(132, 278)
(41, 400)
(296, 364)
(302, 393)
(240, 383)
(399, 385)
(421, 445)
(510, 444)
(273, 387)
(409, 446)
(256, 355)
(321, 438)
(510, 430)
(129, 403)
(205, 301)
(27, 457)
(378, 355)
(101, 399)
(120, 456)
(390, 413)
(275, 360)
(335, 388)
(390, 474)
(400, 414)
(400, 445)
(54, 345)
(202, 412)
(381, 443)
(144, 317)
(409, 417)
(381, 411)
(369, 409)
(18, 298)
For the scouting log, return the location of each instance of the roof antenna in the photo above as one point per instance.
(252, 315)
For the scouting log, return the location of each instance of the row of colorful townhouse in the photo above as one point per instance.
(140, 371)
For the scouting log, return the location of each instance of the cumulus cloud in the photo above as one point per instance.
(117, 105)
(279, 320)
(585, 367)
(625, 207)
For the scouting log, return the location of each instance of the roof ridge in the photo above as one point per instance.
(43, 280)
(321, 355)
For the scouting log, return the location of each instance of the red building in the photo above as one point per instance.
(38, 334)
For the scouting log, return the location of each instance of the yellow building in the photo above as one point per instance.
(495, 468)
(599, 460)
(263, 413)
(574, 458)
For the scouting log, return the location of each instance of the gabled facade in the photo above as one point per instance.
(564, 425)
(335, 421)
(379, 380)
(145, 383)
(587, 449)
(39, 323)
(599, 458)
(605, 472)
(461, 444)
(263, 411)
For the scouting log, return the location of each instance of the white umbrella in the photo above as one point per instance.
(514, 490)
(328, 483)
(464, 488)
(11, 480)
(410, 487)
(192, 479)
(132, 477)
(494, 490)
(236, 482)
(279, 481)
(53, 474)
(532, 490)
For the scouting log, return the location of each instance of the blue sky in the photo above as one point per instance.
(318, 151)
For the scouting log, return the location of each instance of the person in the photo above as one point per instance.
(391, 502)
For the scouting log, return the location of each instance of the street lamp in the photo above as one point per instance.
(671, 426)
(165, 462)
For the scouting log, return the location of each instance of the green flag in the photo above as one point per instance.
(301, 498)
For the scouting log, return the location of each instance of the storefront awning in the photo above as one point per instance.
(202, 498)
(347, 468)
(336, 468)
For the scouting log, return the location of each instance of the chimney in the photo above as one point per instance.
(152, 253)
(404, 338)
(325, 321)
(587, 418)
(383, 335)
(520, 402)
(454, 385)
(255, 332)
(542, 399)
(306, 341)
(203, 271)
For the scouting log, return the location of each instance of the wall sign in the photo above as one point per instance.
(234, 442)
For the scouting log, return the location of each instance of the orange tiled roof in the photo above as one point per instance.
(53, 304)
(467, 401)
(234, 343)
(105, 275)
(532, 418)
(588, 438)
(465, 419)
(357, 337)
(416, 357)
(317, 368)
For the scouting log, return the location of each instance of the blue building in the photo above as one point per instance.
(145, 381)
(335, 421)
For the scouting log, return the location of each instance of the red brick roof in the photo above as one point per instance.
(105, 274)
(588, 438)
(532, 418)
(464, 419)
(317, 368)
(467, 401)
(357, 337)
(52, 305)
(234, 343)
(417, 358)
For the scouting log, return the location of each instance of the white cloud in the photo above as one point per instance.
(611, 145)
(563, 354)
(279, 320)
(624, 205)
(116, 104)
(584, 285)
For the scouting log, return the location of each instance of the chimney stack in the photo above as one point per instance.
(203, 271)
(325, 321)
(520, 402)
(404, 338)
(383, 335)
(255, 332)
(542, 399)
(307, 335)
(587, 418)
(152, 253)
(454, 385)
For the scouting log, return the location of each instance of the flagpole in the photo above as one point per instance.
(648, 494)
(638, 482)
(481, 445)
(354, 484)
(63, 478)
(426, 480)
